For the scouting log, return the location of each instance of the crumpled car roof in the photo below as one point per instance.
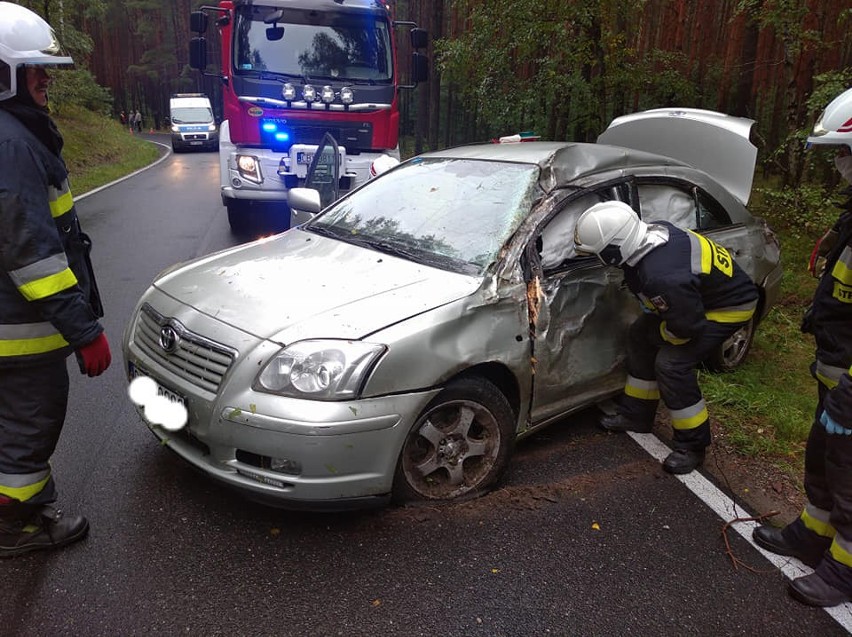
(561, 163)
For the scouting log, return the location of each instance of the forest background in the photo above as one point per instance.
(564, 69)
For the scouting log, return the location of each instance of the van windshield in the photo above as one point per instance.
(192, 115)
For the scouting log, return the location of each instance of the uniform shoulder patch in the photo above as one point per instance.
(660, 303)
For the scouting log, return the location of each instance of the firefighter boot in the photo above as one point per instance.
(619, 423)
(831, 582)
(682, 461)
(44, 528)
(813, 590)
(794, 540)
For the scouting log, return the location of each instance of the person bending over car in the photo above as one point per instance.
(694, 297)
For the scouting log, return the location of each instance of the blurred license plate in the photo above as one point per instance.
(304, 158)
(173, 396)
(195, 143)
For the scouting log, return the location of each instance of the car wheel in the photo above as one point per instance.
(460, 444)
(733, 351)
(238, 217)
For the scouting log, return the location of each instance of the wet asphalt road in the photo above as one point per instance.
(586, 536)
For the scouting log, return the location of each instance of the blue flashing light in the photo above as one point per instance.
(269, 127)
(282, 136)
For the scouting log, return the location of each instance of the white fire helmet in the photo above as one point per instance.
(610, 229)
(834, 127)
(381, 164)
(25, 38)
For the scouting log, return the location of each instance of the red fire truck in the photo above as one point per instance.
(293, 71)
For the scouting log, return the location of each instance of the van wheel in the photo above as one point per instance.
(459, 446)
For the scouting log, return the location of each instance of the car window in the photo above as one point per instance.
(557, 237)
(664, 202)
(451, 213)
(684, 205)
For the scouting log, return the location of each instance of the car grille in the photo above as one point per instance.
(193, 136)
(194, 358)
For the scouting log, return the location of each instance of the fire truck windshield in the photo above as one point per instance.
(312, 44)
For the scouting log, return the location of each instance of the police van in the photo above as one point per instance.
(192, 122)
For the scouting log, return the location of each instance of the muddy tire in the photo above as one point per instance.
(731, 354)
(459, 446)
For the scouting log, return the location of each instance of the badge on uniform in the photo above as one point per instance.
(660, 303)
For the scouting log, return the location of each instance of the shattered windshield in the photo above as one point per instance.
(312, 44)
(450, 213)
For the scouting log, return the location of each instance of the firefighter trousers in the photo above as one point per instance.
(828, 486)
(658, 370)
(33, 403)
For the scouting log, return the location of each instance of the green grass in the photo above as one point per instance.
(99, 150)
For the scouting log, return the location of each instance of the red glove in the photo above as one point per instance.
(95, 356)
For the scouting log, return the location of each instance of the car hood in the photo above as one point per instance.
(713, 142)
(300, 285)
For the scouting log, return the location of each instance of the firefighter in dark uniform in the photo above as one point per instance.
(822, 535)
(49, 306)
(694, 297)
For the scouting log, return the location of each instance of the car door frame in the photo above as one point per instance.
(561, 382)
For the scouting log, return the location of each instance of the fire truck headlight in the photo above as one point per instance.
(327, 94)
(346, 95)
(288, 92)
(309, 93)
(249, 168)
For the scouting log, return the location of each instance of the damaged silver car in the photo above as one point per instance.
(397, 344)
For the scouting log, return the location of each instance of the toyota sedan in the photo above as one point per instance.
(397, 344)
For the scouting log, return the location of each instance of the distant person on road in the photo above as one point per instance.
(49, 305)
(821, 536)
(123, 118)
(137, 121)
(694, 297)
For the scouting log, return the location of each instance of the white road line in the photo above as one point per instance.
(133, 174)
(727, 509)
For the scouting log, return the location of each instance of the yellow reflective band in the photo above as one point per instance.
(842, 293)
(642, 394)
(722, 259)
(840, 554)
(841, 270)
(729, 316)
(44, 287)
(24, 493)
(692, 422)
(819, 527)
(706, 253)
(27, 346)
(61, 205)
(669, 337)
(825, 380)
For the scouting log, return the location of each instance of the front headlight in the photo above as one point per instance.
(249, 168)
(211, 127)
(319, 370)
(175, 128)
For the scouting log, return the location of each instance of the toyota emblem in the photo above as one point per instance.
(169, 339)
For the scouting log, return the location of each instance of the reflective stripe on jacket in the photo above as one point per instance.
(46, 284)
(831, 310)
(691, 280)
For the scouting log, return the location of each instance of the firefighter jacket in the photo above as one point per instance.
(49, 303)
(688, 281)
(830, 315)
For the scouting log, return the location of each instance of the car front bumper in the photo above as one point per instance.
(289, 452)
